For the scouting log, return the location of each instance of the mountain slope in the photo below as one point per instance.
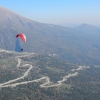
(78, 45)
(12, 24)
(41, 77)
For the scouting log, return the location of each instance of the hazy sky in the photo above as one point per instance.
(56, 11)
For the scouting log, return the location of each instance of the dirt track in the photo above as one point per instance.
(46, 78)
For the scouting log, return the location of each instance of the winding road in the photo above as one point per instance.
(47, 83)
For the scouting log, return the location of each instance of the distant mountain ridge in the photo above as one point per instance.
(78, 45)
(87, 28)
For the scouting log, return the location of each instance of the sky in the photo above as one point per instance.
(56, 11)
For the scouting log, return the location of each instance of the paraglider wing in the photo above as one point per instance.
(22, 36)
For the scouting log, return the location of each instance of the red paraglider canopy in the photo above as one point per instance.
(22, 36)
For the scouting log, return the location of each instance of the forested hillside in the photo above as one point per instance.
(29, 76)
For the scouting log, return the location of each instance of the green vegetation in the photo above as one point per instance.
(85, 86)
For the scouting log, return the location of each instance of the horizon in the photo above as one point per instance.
(57, 12)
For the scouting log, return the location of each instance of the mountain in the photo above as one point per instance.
(88, 29)
(37, 33)
(80, 44)
(29, 76)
